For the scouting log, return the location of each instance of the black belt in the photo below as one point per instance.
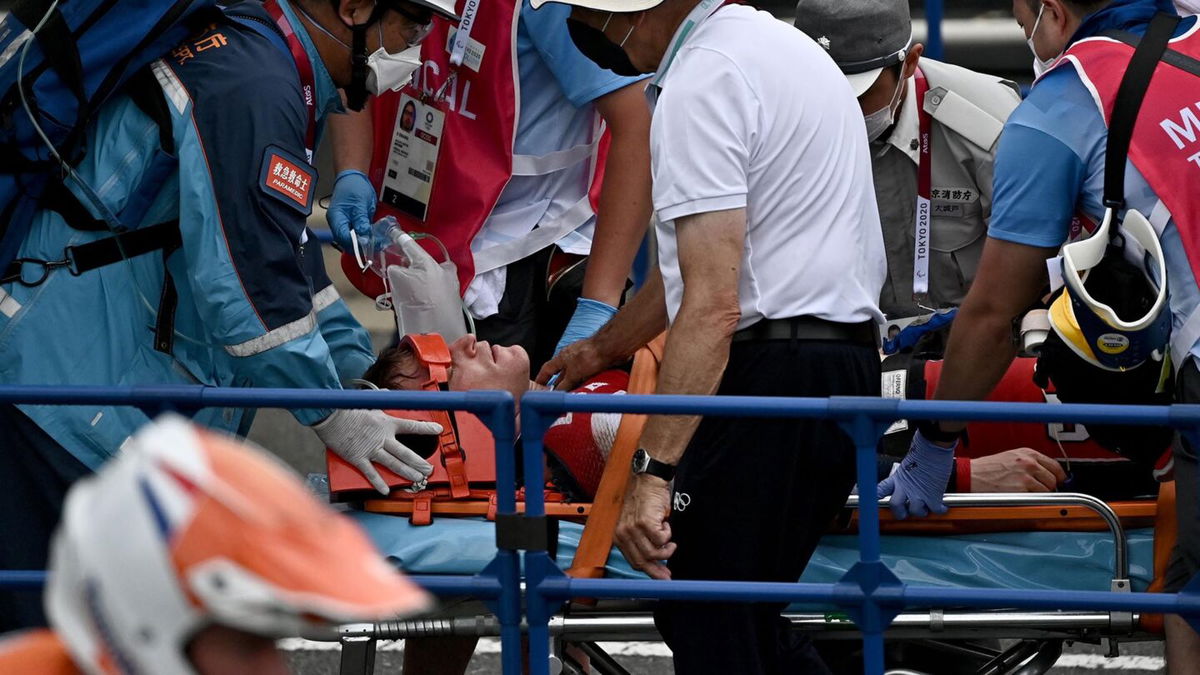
(90, 256)
(810, 328)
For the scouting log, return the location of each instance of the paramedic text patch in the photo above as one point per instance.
(289, 179)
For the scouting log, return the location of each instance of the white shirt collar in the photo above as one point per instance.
(699, 13)
(908, 125)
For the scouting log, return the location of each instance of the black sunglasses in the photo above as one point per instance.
(423, 17)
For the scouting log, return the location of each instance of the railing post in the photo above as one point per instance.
(538, 564)
(869, 574)
(934, 45)
(506, 567)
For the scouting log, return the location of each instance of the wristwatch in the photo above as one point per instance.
(644, 463)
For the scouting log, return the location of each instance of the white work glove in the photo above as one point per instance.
(364, 436)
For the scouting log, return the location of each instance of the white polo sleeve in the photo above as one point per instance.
(702, 136)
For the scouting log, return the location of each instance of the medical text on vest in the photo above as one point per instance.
(1184, 130)
(456, 92)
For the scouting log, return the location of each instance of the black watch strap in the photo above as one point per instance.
(644, 463)
(932, 431)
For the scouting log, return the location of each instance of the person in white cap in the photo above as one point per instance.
(771, 262)
(190, 554)
(934, 198)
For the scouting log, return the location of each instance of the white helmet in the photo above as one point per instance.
(443, 7)
(185, 528)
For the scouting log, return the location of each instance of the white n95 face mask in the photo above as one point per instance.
(390, 72)
(880, 120)
(1040, 65)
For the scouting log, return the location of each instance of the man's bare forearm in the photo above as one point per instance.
(979, 352)
(624, 205)
(710, 260)
(638, 322)
(694, 361)
(981, 347)
(353, 140)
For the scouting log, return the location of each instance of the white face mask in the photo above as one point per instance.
(1040, 65)
(391, 71)
(385, 71)
(880, 120)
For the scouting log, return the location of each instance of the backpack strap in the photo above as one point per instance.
(144, 90)
(1146, 56)
(1170, 56)
(57, 42)
(266, 29)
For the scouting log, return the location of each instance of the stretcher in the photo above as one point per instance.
(1059, 541)
(1105, 555)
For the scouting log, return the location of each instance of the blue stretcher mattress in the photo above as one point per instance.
(1013, 560)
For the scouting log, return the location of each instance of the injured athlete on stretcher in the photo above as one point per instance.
(578, 444)
(996, 458)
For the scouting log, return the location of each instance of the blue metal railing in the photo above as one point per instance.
(934, 46)
(869, 592)
(499, 584)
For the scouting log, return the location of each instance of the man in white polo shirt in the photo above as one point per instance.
(771, 263)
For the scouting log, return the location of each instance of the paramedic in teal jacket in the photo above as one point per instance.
(253, 306)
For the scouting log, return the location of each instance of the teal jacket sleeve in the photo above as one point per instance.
(246, 191)
(349, 343)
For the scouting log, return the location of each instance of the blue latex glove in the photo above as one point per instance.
(352, 206)
(919, 483)
(589, 317)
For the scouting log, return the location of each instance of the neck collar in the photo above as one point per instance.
(699, 13)
(1121, 15)
(907, 128)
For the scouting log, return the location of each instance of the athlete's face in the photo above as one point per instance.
(479, 365)
(474, 365)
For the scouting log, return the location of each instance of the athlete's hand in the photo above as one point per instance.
(643, 533)
(352, 207)
(576, 363)
(1018, 470)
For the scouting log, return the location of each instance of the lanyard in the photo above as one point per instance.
(699, 13)
(307, 80)
(462, 36)
(921, 224)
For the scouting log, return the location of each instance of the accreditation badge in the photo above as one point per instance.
(412, 159)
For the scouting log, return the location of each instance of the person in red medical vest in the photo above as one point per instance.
(1050, 166)
(498, 148)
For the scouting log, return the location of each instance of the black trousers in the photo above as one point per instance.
(752, 498)
(531, 314)
(35, 472)
(1185, 558)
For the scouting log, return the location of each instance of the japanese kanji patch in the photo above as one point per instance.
(288, 178)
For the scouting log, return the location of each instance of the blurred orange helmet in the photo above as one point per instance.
(186, 528)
